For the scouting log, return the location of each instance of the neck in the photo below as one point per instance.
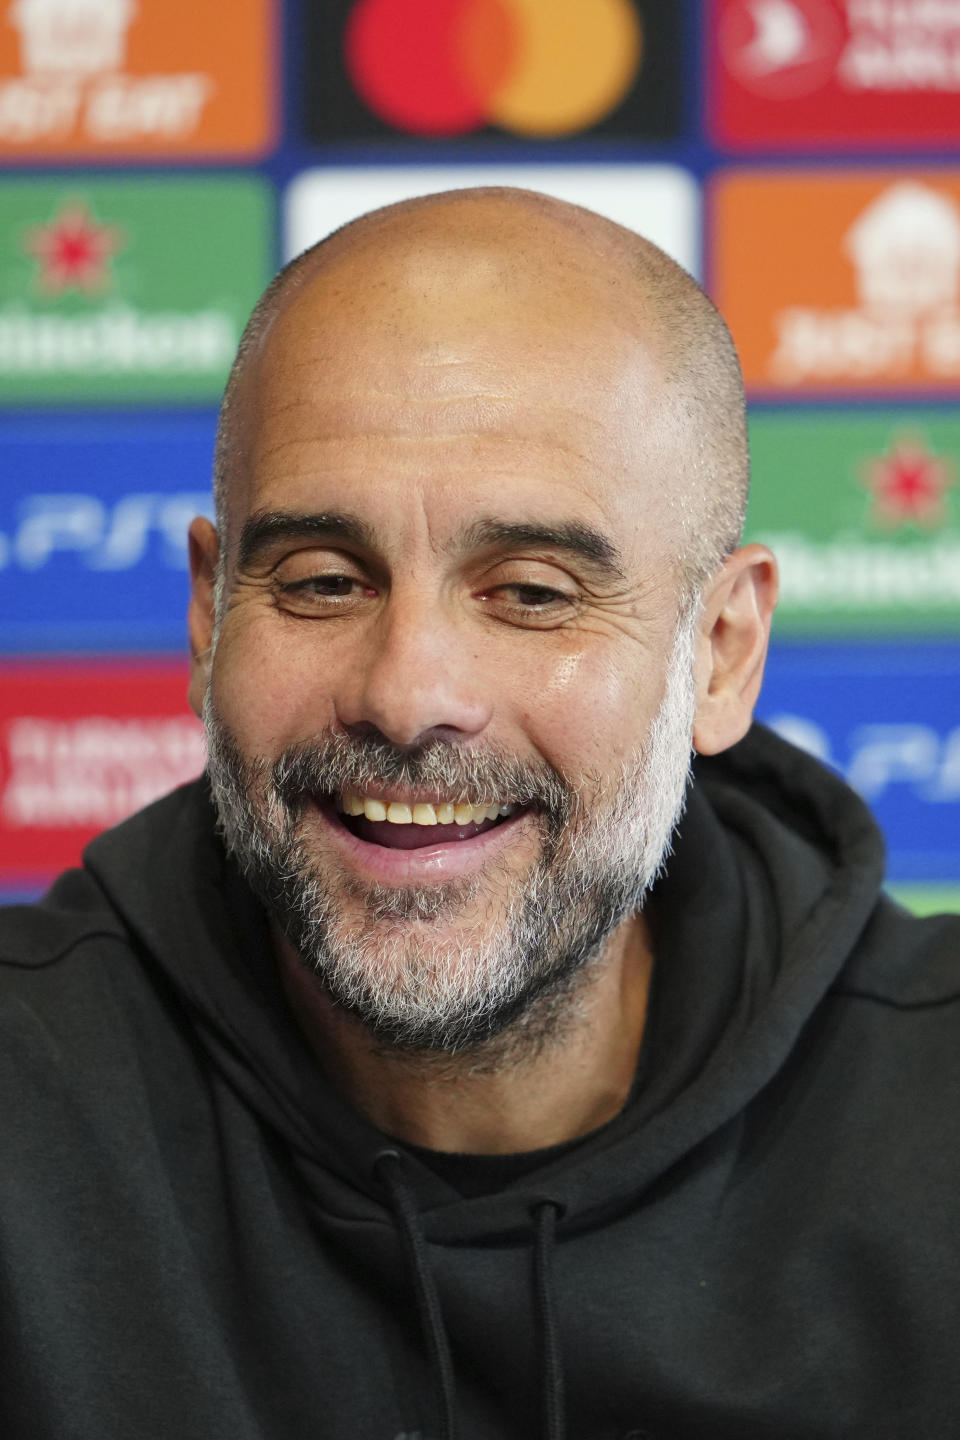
(538, 1084)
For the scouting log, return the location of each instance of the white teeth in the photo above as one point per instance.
(422, 813)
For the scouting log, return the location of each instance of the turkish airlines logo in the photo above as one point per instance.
(786, 49)
(93, 771)
(81, 747)
(781, 49)
(531, 67)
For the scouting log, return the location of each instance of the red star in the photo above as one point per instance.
(74, 250)
(909, 484)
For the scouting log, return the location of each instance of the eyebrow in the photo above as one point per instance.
(571, 537)
(262, 531)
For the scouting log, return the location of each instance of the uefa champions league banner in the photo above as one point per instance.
(798, 155)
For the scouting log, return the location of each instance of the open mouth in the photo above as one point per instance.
(398, 825)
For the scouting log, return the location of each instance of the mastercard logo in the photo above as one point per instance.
(533, 67)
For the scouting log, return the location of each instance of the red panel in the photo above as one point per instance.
(83, 745)
(838, 74)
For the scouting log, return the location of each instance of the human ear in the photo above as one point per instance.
(204, 547)
(736, 610)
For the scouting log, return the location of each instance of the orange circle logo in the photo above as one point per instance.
(542, 68)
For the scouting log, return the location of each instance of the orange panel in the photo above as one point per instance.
(840, 280)
(110, 78)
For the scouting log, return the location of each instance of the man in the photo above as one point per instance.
(399, 1081)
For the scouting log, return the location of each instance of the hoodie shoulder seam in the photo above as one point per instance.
(852, 992)
(13, 962)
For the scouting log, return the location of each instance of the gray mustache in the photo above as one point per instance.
(340, 762)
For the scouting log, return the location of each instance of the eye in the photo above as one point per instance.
(324, 585)
(536, 597)
(322, 594)
(530, 605)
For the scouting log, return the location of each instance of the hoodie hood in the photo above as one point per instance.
(776, 869)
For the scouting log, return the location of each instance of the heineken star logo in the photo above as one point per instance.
(74, 250)
(909, 484)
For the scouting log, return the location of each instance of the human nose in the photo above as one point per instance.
(416, 676)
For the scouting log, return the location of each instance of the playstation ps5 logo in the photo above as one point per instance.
(101, 535)
(882, 756)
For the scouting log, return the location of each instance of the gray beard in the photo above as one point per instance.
(407, 971)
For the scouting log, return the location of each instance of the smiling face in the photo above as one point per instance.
(438, 696)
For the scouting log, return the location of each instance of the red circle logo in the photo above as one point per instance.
(533, 67)
(781, 49)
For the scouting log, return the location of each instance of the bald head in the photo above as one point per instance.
(532, 281)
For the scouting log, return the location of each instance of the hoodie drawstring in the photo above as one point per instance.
(389, 1165)
(545, 1214)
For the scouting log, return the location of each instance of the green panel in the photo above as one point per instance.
(128, 290)
(863, 511)
(927, 899)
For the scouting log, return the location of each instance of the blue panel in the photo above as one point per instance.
(20, 897)
(887, 717)
(93, 519)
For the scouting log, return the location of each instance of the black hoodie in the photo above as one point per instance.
(199, 1241)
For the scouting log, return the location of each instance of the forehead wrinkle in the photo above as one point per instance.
(334, 466)
(354, 419)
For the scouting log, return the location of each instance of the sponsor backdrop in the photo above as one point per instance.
(799, 156)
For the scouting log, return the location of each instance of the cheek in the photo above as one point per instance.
(268, 693)
(590, 709)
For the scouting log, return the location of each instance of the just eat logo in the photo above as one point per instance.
(83, 78)
(840, 280)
